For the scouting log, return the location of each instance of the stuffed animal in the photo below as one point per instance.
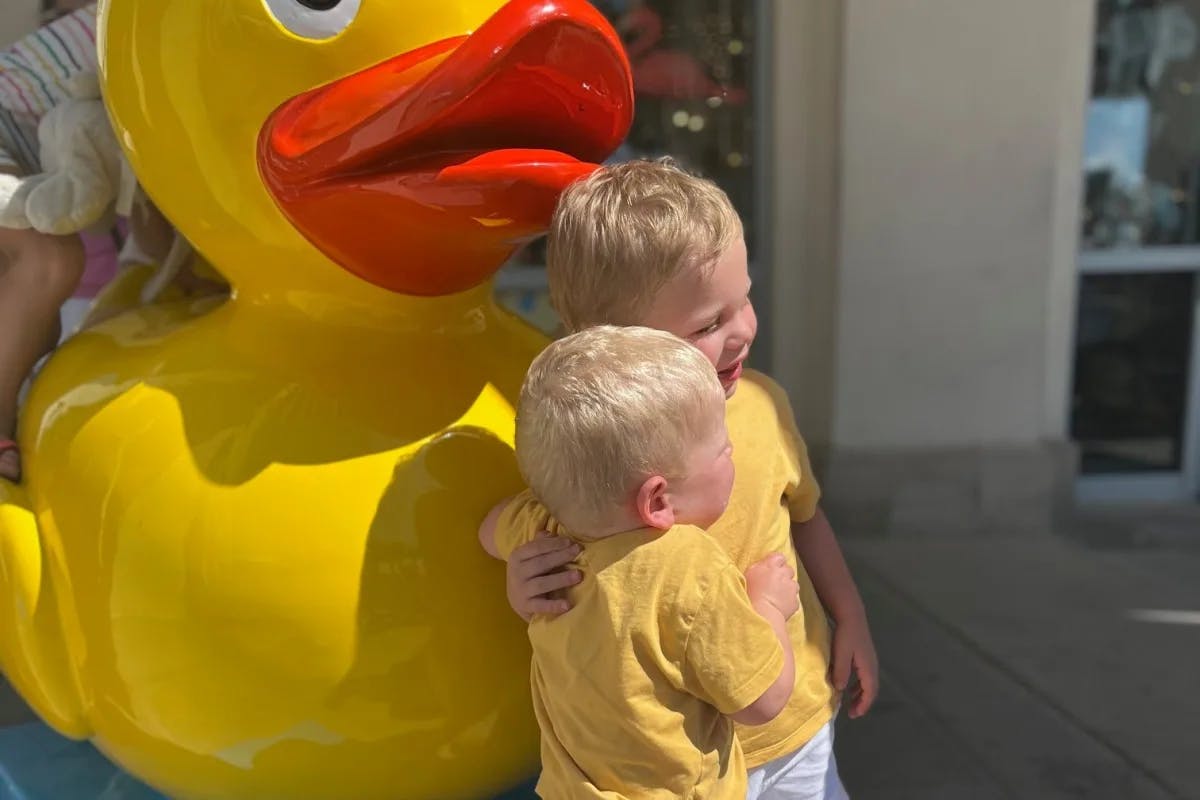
(84, 181)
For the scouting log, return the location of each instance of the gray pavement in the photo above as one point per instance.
(1029, 668)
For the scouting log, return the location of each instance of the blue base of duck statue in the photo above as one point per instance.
(38, 764)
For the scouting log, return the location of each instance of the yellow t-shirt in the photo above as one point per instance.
(773, 484)
(631, 688)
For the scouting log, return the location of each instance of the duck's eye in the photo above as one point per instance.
(314, 19)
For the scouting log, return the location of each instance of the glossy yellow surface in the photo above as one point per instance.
(243, 560)
(258, 592)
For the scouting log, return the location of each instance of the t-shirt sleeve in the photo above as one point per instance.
(9, 164)
(732, 654)
(35, 75)
(18, 148)
(520, 522)
(802, 493)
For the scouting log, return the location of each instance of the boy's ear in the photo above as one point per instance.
(654, 507)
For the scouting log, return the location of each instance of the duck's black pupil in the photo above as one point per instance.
(319, 5)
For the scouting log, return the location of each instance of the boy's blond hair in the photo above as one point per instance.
(603, 409)
(620, 234)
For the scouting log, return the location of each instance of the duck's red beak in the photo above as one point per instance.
(424, 173)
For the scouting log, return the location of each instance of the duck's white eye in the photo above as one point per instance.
(314, 19)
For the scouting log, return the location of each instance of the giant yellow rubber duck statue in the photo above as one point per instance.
(242, 561)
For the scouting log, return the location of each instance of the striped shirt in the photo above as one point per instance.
(34, 75)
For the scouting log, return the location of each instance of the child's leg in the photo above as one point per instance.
(810, 773)
(38, 272)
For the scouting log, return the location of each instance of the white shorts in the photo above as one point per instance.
(810, 773)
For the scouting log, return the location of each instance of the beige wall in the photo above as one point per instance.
(17, 18)
(927, 154)
(804, 206)
(957, 119)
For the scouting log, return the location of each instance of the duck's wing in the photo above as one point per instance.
(33, 654)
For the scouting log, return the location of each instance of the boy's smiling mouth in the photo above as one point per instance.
(732, 372)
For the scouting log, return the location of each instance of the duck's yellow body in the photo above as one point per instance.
(244, 561)
(265, 580)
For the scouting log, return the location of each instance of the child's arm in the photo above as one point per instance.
(853, 648)
(774, 594)
(738, 657)
(534, 573)
(819, 554)
(487, 529)
(537, 572)
(775, 698)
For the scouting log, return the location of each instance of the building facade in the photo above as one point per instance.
(930, 152)
(984, 228)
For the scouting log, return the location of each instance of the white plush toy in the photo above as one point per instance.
(85, 180)
(85, 183)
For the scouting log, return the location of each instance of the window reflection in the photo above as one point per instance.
(692, 72)
(1142, 148)
(693, 69)
(1133, 347)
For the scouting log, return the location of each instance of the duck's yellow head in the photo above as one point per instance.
(361, 147)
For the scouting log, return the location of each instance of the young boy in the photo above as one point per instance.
(621, 436)
(646, 243)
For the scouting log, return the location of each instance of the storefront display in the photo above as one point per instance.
(1135, 407)
(693, 73)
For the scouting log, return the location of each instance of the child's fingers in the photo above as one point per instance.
(770, 560)
(855, 706)
(551, 556)
(551, 607)
(543, 543)
(868, 689)
(544, 585)
(548, 564)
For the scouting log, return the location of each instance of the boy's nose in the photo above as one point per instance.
(746, 324)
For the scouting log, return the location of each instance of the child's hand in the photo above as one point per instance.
(853, 650)
(773, 582)
(535, 574)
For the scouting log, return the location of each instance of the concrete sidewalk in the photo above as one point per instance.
(1028, 668)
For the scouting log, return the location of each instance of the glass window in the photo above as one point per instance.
(1133, 347)
(1142, 147)
(693, 69)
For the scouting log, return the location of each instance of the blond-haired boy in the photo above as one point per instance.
(647, 243)
(621, 437)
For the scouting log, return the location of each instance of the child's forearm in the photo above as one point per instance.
(487, 529)
(775, 698)
(818, 550)
(781, 690)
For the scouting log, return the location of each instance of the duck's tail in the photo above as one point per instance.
(32, 651)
